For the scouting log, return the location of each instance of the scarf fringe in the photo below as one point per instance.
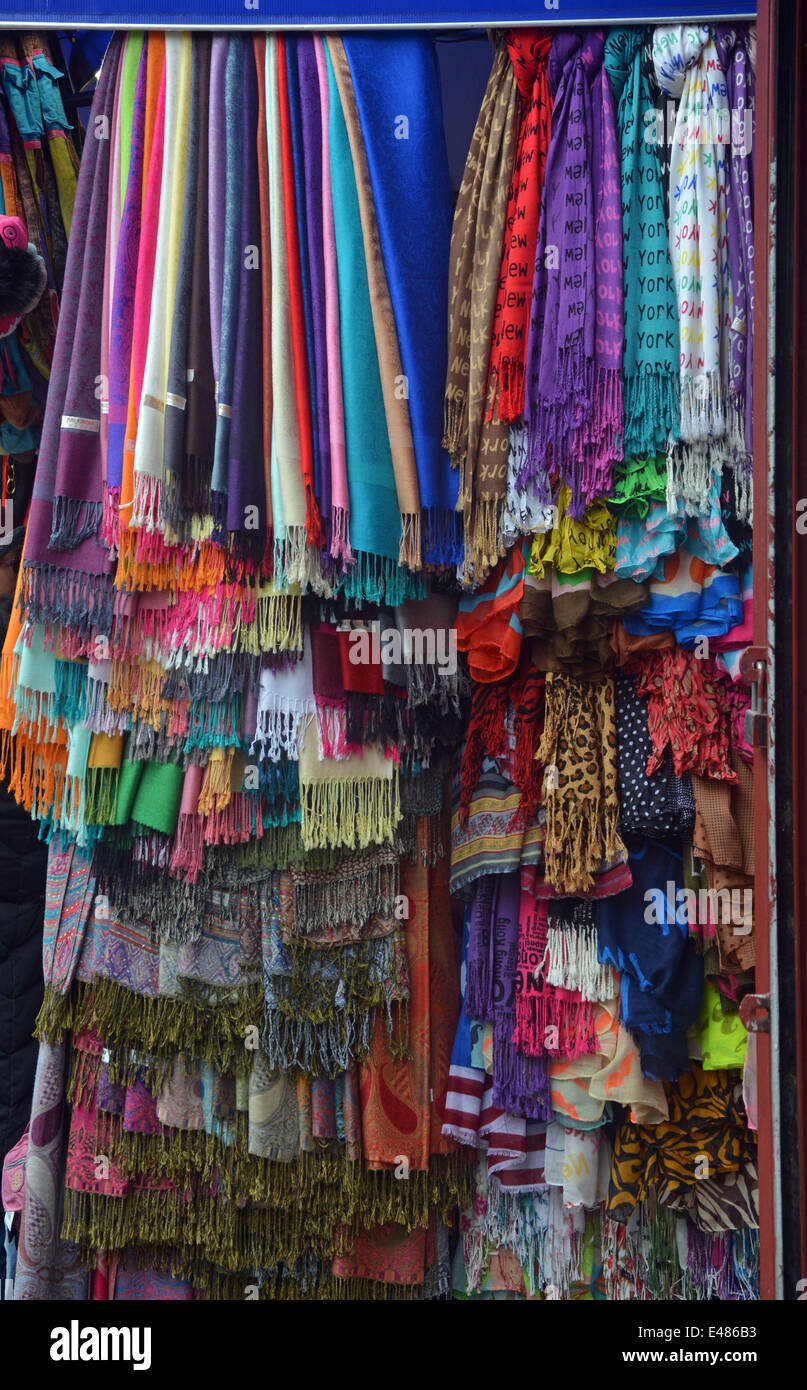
(349, 814)
(109, 532)
(483, 545)
(521, 1084)
(280, 724)
(74, 521)
(354, 892)
(155, 1028)
(455, 427)
(312, 1206)
(572, 1020)
(652, 398)
(571, 962)
(101, 795)
(69, 598)
(703, 407)
(690, 469)
(409, 551)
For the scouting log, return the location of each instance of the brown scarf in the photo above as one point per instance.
(478, 447)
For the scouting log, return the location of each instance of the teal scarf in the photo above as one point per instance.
(375, 521)
(650, 362)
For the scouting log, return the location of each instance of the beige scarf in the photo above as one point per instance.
(477, 446)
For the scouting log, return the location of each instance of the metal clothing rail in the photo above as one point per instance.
(352, 14)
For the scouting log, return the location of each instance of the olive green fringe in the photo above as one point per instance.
(300, 1215)
(155, 1029)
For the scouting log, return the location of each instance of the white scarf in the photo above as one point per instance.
(687, 67)
(285, 707)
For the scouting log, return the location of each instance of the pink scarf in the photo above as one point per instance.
(340, 500)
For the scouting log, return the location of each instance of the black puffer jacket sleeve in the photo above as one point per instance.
(23, 868)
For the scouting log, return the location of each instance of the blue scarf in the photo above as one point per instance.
(412, 195)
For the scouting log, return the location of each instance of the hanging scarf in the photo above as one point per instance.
(395, 1092)
(548, 1019)
(216, 203)
(302, 384)
(476, 245)
(488, 626)
(246, 514)
(153, 159)
(231, 189)
(660, 804)
(339, 495)
(407, 176)
(175, 396)
(650, 363)
(311, 134)
(48, 1268)
(645, 937)
(571, 960)
(578, 750)
(486, 736)
(124, 94)
(575, 422)
(732, 47)
(298, 158)
(698, 218)
(288, 491)
(285, 705)
(687, 709)
(375, 521)
(148, 456)
(123, 299)
(520, 1081)
(77, 492)
(396, 404)
(353, 802)
(73, 585)
(528, 50)
(259, 49)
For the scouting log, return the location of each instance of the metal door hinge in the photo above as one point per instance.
(754, 670)
(755, 1013)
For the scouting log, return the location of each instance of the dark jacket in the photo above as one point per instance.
(23, 867)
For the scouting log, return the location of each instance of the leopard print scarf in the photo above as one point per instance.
(579, 752)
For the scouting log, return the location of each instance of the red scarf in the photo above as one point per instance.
(313, 524)
(529, 52)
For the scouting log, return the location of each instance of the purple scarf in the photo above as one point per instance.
(605, 424)
(74, 586)
(740, 85)
(573, 401)
(520, 1082)
(78, 493)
